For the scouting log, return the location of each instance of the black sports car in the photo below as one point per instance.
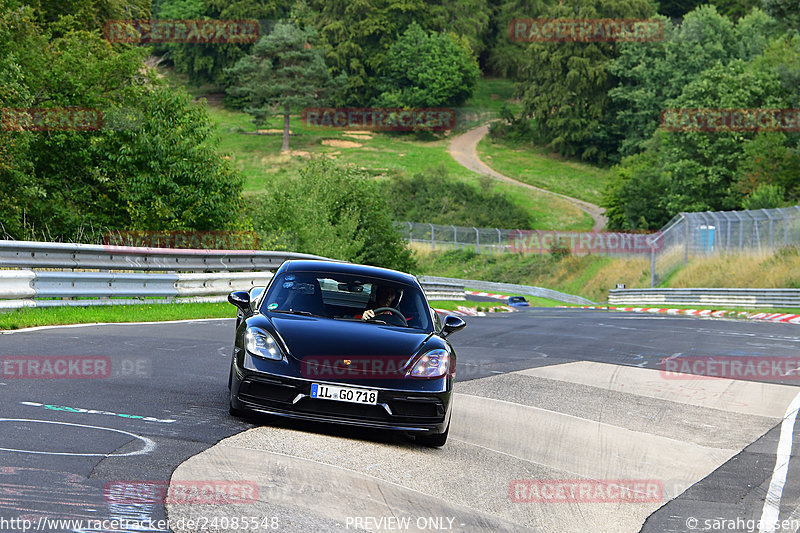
(344, 343)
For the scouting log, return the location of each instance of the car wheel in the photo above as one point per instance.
(434, 441)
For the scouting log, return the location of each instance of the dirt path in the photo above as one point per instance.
(463, 148)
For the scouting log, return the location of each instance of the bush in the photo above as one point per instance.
(436, 198)
(335, 212)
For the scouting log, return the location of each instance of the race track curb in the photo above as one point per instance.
(721, 313)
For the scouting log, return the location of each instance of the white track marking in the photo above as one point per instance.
(772, 503)
(149, 445)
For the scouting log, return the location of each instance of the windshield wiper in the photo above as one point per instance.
(294, 312)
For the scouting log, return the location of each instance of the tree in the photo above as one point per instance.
(206, 62)
(564, 85)
(357, 34)
(159, 171)
(284, 71)
(427, 70)
(649, 75)
(507, 56)
(701, 170)
(333, 211)
(89, 14)
(787, 12)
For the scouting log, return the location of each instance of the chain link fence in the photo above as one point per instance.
(496, 240)
(703, 233)
(685, 236)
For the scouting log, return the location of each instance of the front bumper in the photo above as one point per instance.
(397, 409)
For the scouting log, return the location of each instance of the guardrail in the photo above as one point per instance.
(26, 288)
(169, 275)
(437, 291)
(706, 297)
(30, 254)
(511, 287)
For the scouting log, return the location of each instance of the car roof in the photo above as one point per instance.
(340, 267)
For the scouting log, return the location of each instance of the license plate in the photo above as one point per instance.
(344, 394)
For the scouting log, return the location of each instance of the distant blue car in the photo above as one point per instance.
(518, 301)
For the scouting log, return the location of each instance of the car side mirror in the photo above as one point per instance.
(452, 324)
(240, 299)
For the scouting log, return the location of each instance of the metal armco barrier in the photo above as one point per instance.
(27, 284)
(443, 291)
(511, 287)
(29, 254)
(706, 297)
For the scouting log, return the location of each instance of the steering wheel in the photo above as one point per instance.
(391, 310)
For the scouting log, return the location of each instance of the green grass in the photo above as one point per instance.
(486, 102)
(30, 317)
(259, 159)
(264, 167)
(536, 166)
(453, 305)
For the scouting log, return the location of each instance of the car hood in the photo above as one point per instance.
(319, 337)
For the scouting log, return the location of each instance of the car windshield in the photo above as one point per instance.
(346, 297)
(516, 299)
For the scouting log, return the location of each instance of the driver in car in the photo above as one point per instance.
(384, 297)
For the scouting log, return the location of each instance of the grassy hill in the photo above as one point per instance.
(593, 276)
(256, 153)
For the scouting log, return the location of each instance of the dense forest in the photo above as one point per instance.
(154, 163)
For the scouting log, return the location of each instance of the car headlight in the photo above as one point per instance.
(261, 344)
(434, 364)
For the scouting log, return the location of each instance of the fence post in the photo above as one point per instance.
(455, 237)
(652, 265)
(477, 240)
(785, 226)
(741, 227)
(727, 231)
(770, 228)
(410, 233)
(686, 240)
(431, 225)
(500, 240)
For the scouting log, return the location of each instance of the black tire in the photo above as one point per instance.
(234, 411)
(436, 440)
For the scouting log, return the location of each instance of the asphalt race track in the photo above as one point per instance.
(545, 398)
